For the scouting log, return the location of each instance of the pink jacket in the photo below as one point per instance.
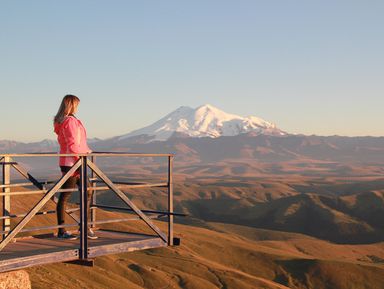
(72, 138)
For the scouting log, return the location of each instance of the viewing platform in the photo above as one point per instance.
(23, 246)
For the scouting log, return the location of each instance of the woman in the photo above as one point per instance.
(72, 139)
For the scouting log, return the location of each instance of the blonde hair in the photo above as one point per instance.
(68, 106)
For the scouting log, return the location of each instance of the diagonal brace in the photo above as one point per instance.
(39, 205)
(28, 176)
(126, 200)
(37, 184)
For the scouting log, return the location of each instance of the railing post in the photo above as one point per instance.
(83, 210)
(94, 202)
(170, 201)
(6, 180)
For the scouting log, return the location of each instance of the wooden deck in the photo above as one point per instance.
(40, 250)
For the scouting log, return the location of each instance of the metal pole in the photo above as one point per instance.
(6, 226)
(170, 201)
(93, 204)
(83, 210)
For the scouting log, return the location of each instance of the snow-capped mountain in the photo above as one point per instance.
(204, 121)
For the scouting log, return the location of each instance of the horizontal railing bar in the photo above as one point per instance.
(90, 223)
(16, 185)
(121, 183)
(26, 184)
(36, 192)
(124, 219)
(39, 213)
(130, 154)
(159, 185)
(95, 207)
(8, 163)
(23, 215)
(144, 211)
(42, 228)
(97, 154)
(131, 183)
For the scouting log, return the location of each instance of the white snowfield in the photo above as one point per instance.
(204, 121)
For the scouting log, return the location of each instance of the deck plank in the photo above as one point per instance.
(43, 250)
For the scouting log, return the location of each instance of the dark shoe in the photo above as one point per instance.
(67, 236)
(91, 234)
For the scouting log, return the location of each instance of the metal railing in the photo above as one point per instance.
(85, 163)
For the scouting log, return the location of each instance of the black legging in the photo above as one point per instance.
(71, 183)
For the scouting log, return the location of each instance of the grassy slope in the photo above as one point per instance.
(221, 256)
(227, 256)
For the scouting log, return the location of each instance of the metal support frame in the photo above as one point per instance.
(38, 206)
(126, 200)
(83, 210)
(94, 201)
(118, 208)
(40, 185)
(6, 199)
(170, 201)
(97, 175)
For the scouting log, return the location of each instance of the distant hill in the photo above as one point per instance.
(264, 148)
(227, 256)
(337, 219)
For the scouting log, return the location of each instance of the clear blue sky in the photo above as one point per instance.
(308, 66)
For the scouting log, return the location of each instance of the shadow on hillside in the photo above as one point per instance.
(305, 214)
(304, 273)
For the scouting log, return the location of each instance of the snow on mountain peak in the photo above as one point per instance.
(204, 121)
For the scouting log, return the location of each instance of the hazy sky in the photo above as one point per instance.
(313, 67)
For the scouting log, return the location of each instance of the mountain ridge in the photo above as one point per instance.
(203, 121)
(262, 148)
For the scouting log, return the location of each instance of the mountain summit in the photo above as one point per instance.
(204, 121)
